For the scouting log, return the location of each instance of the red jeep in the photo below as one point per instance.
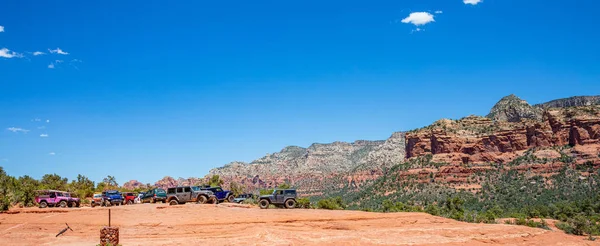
(128, 198)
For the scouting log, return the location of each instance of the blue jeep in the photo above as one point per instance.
(111, 197)
(222, 195)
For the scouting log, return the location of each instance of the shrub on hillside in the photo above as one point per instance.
(303, 203)
(250, 201)
(333, 203)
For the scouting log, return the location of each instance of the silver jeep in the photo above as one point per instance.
(184, 194)
(279, 197)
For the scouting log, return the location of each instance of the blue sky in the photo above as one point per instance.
(150, 89)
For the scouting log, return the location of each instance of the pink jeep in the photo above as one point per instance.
(55, 198)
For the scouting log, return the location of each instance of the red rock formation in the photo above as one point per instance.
(463, 144)
(133, 184)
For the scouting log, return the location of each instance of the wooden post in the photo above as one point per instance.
(109, 235)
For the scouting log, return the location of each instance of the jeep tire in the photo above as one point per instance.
(72, 204)
(212, 200)
(230, 198)
(62, 204)
(173, 202)
(202, 199)
(290, 203)
(263, 203)
(43, 204)
(130, 202)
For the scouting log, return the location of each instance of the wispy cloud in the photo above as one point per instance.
(43, 135)
(472, 2)
(53, 64)
(47, 121)
(58, 51)
(4, 160)
(418, 18)
(1, 28)
(37, 120)
(417, 30)
(41, 127)
(439, 12)
(17, 129)
(38, 53)
(6, 53)
(52, 153)
(74, 63)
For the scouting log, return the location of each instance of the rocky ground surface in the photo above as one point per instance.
(229, 224)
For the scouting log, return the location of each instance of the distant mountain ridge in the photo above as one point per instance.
(576, 101)
(512, 125)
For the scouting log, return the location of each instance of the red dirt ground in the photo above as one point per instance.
(231, 224)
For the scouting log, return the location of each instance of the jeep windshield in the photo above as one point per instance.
(112, 192)
(195, 188)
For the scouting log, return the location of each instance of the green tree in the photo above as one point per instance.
(110, 183)
(25, 190)
(236, 189)
(100, 187)
(82, 186)
(6, 186)
(53, 182)
(215, 180)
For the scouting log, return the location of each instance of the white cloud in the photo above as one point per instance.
(41, 127)
(51, 66)
(36, 120)
(1, 29)
(4, 160)
(439, 12)
(472, 2)
(47, 121)
(418, 18)
(38, 53)
(58, 51)
(43, 135)
(17, 129)
(52, 153)
(6, 53)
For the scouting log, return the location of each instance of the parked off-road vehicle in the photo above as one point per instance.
(222, 195)
(183, 194)
(154, 195)
(243, 197)
(96, 200)
(280, 197)
(128, 198)
(56, 198)
(111, 197)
